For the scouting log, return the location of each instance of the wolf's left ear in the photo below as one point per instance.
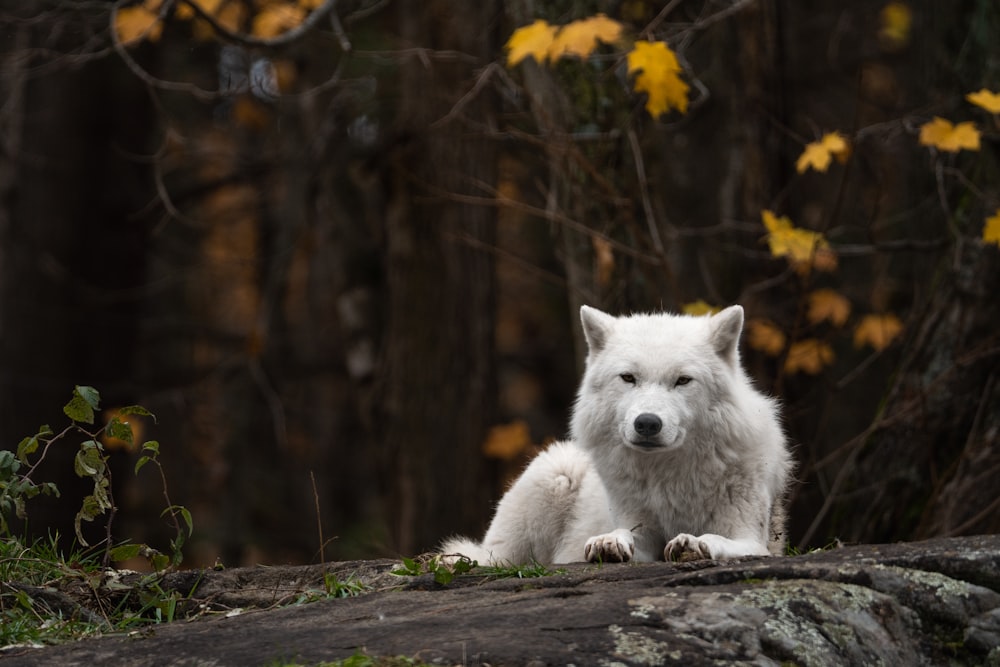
(596, 327)
(726, 327)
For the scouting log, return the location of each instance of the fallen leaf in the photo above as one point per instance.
(765, 336)
(877, 331)
(991, 230)
(656, 71)
(819, 154)
(808, 356)
(828, 305)
(945, 136)
(580, 38)
(533, 40)
(699, 307)
(985, 99)
(506, 441)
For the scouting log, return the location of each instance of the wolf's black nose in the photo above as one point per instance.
(647, 424)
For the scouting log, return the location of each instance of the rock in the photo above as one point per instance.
(933, 602)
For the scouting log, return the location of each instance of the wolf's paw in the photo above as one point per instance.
(686, 547)
(614, 547)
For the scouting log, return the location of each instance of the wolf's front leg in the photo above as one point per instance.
(689, 547)
(618, 546)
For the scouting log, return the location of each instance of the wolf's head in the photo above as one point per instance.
(655, 382)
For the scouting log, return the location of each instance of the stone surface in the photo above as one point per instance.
(933, 602)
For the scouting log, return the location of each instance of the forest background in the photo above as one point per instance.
(338, 248)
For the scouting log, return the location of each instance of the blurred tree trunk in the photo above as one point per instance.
(72, 250)
(930, 465)
(438, 377)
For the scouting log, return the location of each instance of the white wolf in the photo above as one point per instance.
(673, 453)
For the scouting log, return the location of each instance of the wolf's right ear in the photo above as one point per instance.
(596, 327)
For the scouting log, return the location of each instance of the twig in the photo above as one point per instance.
(319, 519)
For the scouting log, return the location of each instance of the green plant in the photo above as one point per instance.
(443, 572)
(90, 462)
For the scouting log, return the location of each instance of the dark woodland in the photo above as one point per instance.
(349, 290)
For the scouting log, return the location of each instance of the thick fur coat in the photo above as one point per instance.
(672, 454)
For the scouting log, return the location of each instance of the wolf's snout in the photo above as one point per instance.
(647, 424)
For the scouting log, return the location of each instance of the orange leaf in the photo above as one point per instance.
(604, 257)
(699, 307)
(656, 73)
(828, 305)
(133, 24)
(533, 40)
(818, 154)
(945, 136)
(764, 336)
(985, 99)
(808, 356)
(277, 18)
(991, 230)
(877, 331)
(505, 441)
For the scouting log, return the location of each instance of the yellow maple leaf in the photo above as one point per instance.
(877, 331)
(656, 71)
(808, 356)
(533, 40)
(765, 336)
(699, 307)
(991, 230)
(580, 38)
(505, 441)
(277, 18)
(818, 154)
(896, 22)
(138, 22)
(804, 248)
(945, 136)
(828, 305)
(985, 99)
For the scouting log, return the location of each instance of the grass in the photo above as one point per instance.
(32, 608)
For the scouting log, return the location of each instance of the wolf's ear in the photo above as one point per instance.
(596, 327)
(726, 327)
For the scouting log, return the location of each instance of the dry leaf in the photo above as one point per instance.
(580, 38)
(818, 154)
(985, 99)
(808, 356)
(765, 336)
(506, 441)
(699, 307)
(877, 331)
(828, 305)
(533, 40)
(991, 230)
(656, 73)
(945, 136)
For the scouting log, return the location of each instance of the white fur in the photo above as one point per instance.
(702, 474)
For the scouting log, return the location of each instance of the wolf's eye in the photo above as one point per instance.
(684, 379)
(628, 378)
